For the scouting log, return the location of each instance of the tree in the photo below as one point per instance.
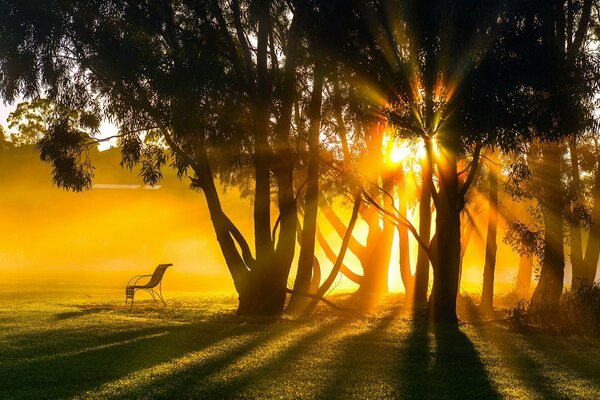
(487, 296)
(29, 120)
(562, 32)
(175, 68)
(584, 209)
(4, 144)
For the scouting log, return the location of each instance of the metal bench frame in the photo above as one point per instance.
(150, 287)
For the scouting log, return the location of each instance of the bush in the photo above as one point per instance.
(578, 313)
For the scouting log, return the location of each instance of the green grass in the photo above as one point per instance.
(60, 346)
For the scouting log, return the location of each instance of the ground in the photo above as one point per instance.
(60, 345)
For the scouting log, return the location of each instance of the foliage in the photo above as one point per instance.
(577, 314)
(524, 239)
(4, 143)
(30, 121)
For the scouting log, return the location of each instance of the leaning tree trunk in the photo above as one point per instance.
(549, 289)
(339, 261)
(487, 296)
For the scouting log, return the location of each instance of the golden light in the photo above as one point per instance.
(399, 152)
(420, 151)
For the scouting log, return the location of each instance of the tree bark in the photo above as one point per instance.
(523, 286)
(487, 296)
(422, 269)
(377, 255)
(262, 189)
(549, 289)
(408, 279)
(584, 263)
(592, 250)
(445, 247)
(336, 267)
(311, 204)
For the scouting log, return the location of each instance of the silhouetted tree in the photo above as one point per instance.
(216, 80)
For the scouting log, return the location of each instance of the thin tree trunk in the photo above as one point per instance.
(336, 267)
(584, 263)
(311, 205)
(577, 260)
(422, 269)
(354, 277)
(408, 279)
(262, 189)
(467, 226)
(487, 296)
(592, 250)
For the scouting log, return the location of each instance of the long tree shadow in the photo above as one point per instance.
(542, 365)
(523, 368)
(440, 362)
(580, 357)
(244, 372)
(67, 374)
(359, 371)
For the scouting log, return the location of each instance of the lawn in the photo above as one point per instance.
(89, 347)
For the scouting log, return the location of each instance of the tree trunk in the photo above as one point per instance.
(378, 251)
(311, 205)
(340, 259)
(466, 228)
(446, 245)
(592, 250)
(422, 269)
(376, 261)
(487, 296)
(549, 289)
(408, 279)
(445, 248)
(585, 264)
(262, 188)
(523, 287)
(576, 232)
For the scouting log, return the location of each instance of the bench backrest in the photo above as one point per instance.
(158, 274)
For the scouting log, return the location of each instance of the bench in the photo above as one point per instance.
(150, 287)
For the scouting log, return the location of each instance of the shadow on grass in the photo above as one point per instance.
(440, 362)
(63, 375)
(579, 356)
(81, 312)
(525, 369)
(247, 372)
(360, 369)
(389, 361)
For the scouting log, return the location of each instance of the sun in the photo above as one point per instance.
(398, 153)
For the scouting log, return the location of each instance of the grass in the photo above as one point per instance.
(60, 346)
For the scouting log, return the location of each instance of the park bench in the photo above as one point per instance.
(150, 287)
